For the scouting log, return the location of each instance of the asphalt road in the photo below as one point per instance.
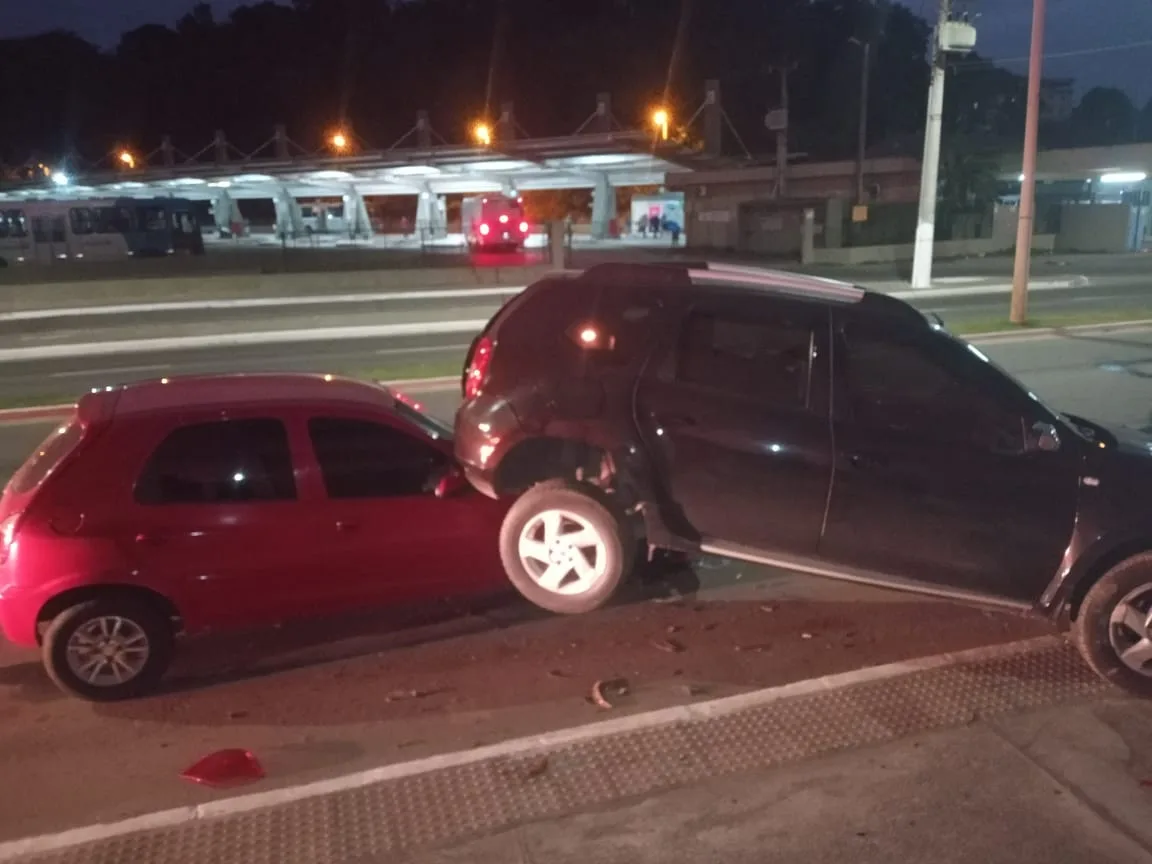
(399, 356)
(328, 697)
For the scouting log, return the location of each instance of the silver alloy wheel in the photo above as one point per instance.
(563, 552)
(108, 651)
(1130, 630)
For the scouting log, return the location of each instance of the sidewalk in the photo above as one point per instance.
(1010, 754)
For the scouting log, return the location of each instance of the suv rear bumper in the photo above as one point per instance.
(485, 429)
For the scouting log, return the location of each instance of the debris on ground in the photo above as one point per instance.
(536, 768)
(403, 695)
(231, 767)
(669, 646)
(758, 648)
(611, 687)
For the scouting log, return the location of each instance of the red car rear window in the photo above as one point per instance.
(59, 443)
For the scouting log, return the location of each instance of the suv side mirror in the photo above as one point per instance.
(1044, 437)
(451, 483)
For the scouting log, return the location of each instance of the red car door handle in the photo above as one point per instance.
(144, 538)
(345, 526)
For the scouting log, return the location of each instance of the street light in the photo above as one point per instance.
(660, 120)
(339, 142)
(482, 132)
(127, 159)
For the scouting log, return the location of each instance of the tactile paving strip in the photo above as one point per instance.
(376, 822)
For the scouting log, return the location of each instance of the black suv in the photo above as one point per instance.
(805, 424)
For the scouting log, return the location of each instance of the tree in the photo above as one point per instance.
(1104, 116)
(374, 63)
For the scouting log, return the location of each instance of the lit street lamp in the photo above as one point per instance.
(339, 142)
(127, 159)
(660, 120)
(482, 132)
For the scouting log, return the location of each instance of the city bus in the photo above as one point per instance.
(97, 229)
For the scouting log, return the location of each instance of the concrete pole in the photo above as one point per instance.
(1018, 313)
(930, 167)
(782, 138)
(862, 130)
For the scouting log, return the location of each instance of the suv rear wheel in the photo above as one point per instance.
(1114, 627)
(108, 649)
(566, 547)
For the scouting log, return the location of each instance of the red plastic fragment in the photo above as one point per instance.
(231, 767)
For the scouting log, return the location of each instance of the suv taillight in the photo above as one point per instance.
(476, 375)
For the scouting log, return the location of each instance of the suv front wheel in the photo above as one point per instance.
(1114, 626)
(565, 547)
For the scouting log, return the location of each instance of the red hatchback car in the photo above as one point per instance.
(193, 504)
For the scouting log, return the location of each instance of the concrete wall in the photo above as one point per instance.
(903, 251)
(738, 208)
(1094, 228)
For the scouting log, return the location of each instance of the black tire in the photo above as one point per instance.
(1093, 629)
(595, 508)
(156, 627)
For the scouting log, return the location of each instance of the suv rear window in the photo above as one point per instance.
(51, 452)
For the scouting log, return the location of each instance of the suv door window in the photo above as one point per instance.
(227, 461)
(366, 459)
(767, 360)
(898, 383)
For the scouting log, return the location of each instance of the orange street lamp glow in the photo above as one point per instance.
(483, 134)
(660, 120)
(127, 159)
(339, 141)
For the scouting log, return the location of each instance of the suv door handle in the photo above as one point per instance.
(146, 539)
(345, 527)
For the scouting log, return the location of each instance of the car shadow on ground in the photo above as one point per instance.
(217, 659)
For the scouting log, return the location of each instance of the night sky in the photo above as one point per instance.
(1073, 26)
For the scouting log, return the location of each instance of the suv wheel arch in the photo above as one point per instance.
(1098, 567)
(536, 460)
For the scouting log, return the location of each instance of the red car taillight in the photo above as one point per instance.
(523, 227)
(7, 536)
(484, 229)
(477, 373)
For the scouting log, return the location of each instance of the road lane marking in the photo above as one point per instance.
(80, 373)
(255, 303)
(235, 340)
(708, 710)
(954, 288)
(425, 349)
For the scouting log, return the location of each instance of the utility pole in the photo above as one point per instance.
(862, 128)
(782, 133)
(1026, 215)
(930, 166)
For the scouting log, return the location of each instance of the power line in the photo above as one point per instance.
(1057, 55)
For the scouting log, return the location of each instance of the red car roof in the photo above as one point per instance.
(207, 391)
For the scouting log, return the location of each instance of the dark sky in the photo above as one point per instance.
(1004, 25)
